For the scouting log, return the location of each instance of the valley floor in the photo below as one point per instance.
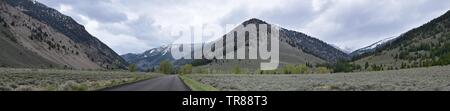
(420, 79)
(12, 79)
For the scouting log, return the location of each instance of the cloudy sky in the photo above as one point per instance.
(138, 25)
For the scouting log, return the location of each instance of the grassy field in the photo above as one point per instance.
(12, 79)
(420, 79)
(196, 86)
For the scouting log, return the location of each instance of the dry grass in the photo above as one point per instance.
(421, 79)
(12, 79)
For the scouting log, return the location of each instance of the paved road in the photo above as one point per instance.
(164, 83)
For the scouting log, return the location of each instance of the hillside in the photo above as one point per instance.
(150, 59)
(371, 48)
(295, 48)
(427, 45)
(34, 35)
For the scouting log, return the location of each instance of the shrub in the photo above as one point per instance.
(288, 69)
(165, 67)
(12, 79)
(25, 88)
(366, 65)
(345, 66)
(6, 88)
(132, 68)
(67, 86)
(237, 70)
(186, 69)
(80, 87)
(301, 69)
(201, 71)
(322, 70)
(73, 86)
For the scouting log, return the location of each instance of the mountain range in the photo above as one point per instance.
(426, 45)
(34, 35)
(371, 48)
(295, 48)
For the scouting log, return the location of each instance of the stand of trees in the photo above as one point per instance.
(186, 69)
(132, 68)
(165, 67)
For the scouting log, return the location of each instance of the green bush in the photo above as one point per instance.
(288, 69)
(73, 86)
(345, 66)
(237, 70)
(301, 69)
(132, 68)
(186, 69)
(366, 65)
(298, 69)
(201, 71)
(322, 70)
(165, 67)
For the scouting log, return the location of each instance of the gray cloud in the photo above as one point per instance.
(100, 10)
(350, 24)
(357, 24)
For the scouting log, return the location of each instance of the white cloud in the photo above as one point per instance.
(319, 5)
(350, 24)
(357, 23)
(64, 8)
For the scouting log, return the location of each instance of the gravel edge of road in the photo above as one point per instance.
(184, 83)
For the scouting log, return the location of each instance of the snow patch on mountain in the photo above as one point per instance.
(373, 46)
(376, 44)
(345, 50)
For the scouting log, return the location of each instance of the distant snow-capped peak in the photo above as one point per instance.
(373, 46)
(156, 51)
(376, 44)
(345, 50)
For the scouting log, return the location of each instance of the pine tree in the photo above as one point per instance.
(132, 68)
(366, 65)
(165, 67)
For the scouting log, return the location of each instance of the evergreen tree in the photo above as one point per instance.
(366, 65)
(132, 68)
(165, 67)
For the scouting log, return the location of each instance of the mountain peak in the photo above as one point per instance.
(49, 25)
(254, 21)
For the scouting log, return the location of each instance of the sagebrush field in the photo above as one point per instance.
(420, 79)
(65, 80)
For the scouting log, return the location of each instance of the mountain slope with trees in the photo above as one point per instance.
(295, 49)
(45, 38)
(427, 45)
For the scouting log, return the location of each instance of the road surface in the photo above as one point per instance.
(164, 83)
